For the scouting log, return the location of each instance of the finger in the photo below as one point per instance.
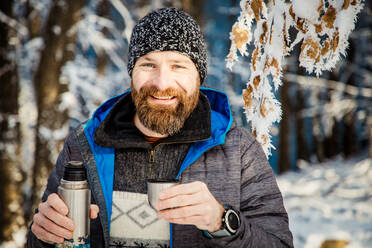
(182, 212)
(182, 189)
(56, 217)
(57, 203)
(201, 222)
(53, 228)
(94, 210)
(45, 236)
(179, 201)
(196, 220)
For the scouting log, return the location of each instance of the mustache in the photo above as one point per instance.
(154, 91)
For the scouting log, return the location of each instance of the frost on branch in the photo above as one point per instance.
(323, 27)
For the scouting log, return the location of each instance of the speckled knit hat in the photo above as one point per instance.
(168, 29)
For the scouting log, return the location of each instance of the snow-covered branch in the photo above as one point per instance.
(323, 27)
(123, 11)
(17, 26)
(309, 82)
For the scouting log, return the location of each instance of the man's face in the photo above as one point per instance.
(165, 90)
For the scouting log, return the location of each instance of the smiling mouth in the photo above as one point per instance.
(163, 97)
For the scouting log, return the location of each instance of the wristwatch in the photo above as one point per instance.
(230, 224)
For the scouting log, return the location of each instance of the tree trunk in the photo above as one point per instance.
(350, 143)
(302, 147)
(370, 139)
(318, 139)
(11, 176)
(58, 49)
(34, 20)
(284, 133)
(103, 10)
(195, 9)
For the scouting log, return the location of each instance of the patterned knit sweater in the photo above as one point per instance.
(134, 223)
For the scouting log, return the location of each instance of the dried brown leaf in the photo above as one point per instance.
(354, 2)
(271, 36)
(256, 81)
(325, 48)
(336, 40)
(265, 139)
(254, 58)
(291, 12)
(318, 28)
(263, 36)
(275, 63)
(256, 6)
(320, 8)
(240, 36)
(247, 96)
(329, 17)
(346, 4)
(300, 25)
(312, 49)
(262, 108)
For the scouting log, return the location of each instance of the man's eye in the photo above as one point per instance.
(178, 67)
(148, 65)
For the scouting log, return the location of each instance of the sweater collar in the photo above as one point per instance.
(118, 131)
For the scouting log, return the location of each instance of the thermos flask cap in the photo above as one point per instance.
(74, 171)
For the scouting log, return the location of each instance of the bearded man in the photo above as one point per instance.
(168, 127)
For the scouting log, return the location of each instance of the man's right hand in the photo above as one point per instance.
(51, 223)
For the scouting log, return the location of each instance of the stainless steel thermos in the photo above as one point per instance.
(75, 192)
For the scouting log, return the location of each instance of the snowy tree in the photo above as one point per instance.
(11, 176)
(323, 27)
(52, 122)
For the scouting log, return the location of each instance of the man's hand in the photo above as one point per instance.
(51, 223)
(190, 204)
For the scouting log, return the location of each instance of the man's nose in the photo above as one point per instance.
(163, 79)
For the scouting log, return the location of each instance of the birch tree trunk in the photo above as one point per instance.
(11, 176)
(52, 123)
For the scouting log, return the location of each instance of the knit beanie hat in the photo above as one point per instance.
(168, 29)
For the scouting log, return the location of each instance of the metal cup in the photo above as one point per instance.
(154, 186)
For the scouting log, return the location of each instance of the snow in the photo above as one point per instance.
(19, 239)
(17, 26)
(306, 9)
(323, 30)
(127, 18)
(329, 201)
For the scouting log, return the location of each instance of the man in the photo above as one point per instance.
(168, 127)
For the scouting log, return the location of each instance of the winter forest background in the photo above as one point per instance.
(61, 59)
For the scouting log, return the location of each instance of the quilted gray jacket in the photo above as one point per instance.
(237, 173)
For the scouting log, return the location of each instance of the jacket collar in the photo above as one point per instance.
(118, 131)
(221, 116)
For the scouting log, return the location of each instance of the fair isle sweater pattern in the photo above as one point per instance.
(135, 224)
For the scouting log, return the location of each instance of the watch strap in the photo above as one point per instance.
(223, 232)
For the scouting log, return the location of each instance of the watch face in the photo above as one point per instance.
(233, 221)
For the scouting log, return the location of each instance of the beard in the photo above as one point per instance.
(161, 118)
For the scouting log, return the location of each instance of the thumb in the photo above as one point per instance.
(94, 209)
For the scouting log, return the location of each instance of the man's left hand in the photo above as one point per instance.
(190, 204)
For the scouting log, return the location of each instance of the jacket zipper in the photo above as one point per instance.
(152, 161)
(152, 154)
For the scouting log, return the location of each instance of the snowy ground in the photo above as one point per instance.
(328, 201)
